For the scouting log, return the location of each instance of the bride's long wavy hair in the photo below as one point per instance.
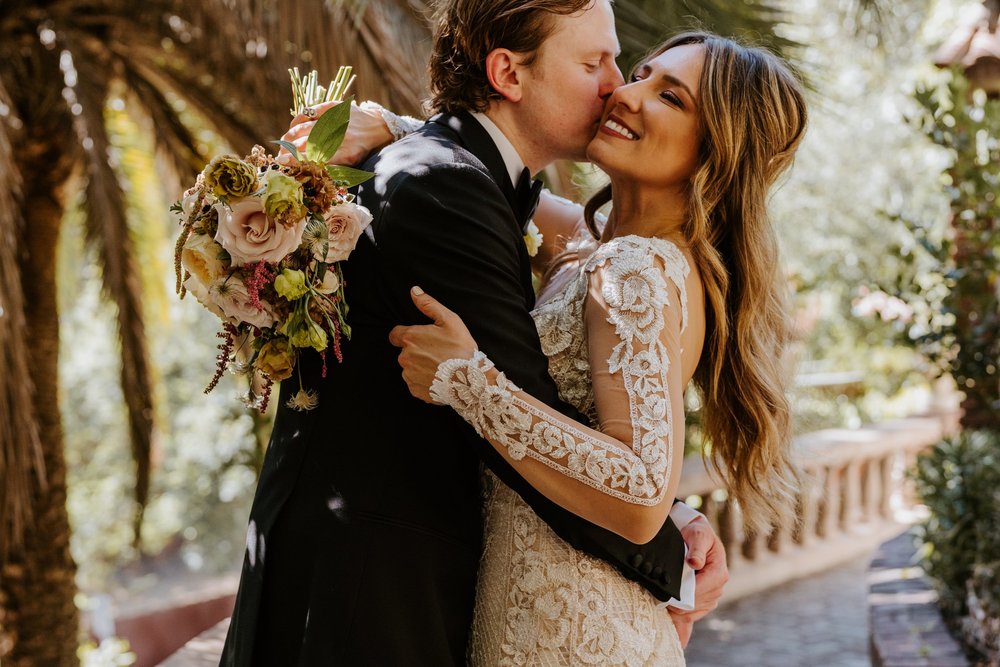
(752, 117)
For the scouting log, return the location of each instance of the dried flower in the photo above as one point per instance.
(304, 399)
(320, 192)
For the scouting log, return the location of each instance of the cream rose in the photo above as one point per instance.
(234, 300)
(345, 224)
(203, 258)
(189, 200)
(250, 236)
(204, 295)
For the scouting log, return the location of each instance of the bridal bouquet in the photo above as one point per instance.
(261, 243)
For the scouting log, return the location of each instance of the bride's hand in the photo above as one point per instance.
(425, 347)
(366, 132)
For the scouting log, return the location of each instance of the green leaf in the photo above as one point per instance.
(290, 147)
(329, 132)
(347, 176)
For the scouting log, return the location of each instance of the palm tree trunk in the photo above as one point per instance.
(39, 622)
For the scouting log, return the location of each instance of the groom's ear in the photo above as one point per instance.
(505, 72)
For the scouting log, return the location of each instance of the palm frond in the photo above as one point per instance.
(386, 42)
(174, 140)
(107, 230)
(21, 455)
(642, 24)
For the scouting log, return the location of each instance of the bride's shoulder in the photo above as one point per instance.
(640, 252)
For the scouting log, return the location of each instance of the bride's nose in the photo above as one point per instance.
(627, 96)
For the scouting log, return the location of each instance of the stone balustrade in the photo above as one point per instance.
(856, 498)
(856, 495)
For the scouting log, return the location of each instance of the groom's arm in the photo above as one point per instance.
(450, 231)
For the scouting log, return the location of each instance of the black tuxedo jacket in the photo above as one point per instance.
(365, 531)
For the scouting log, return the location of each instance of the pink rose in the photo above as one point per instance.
(250, 236)
(232, 297)
(345, 224)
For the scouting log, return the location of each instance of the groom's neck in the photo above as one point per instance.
(527, 141)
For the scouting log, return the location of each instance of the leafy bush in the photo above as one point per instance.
(959, 482)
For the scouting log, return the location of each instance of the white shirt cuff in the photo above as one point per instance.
(682, 514)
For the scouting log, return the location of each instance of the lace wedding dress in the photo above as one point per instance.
(539, 601)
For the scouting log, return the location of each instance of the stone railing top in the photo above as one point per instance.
(831, 447)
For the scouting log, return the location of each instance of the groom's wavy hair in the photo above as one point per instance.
(752, 115)
(465, 33)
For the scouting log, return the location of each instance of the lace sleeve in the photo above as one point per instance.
(399, 126)
(631, 289)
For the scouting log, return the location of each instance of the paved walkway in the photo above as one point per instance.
(819, 621)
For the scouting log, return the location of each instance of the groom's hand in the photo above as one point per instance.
(425, 347)
(707, 557)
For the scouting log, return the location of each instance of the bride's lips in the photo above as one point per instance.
(616, 127)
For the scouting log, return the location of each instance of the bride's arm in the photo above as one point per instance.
(559, 220)
(622, 477)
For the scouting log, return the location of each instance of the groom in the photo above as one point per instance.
(365, 532)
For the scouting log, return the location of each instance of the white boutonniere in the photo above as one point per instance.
(533, 238)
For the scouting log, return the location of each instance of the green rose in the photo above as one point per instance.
(276, 359)
(229, 177)
(303, 331)
(291, 284)
(283, 198)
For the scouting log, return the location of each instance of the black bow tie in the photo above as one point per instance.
(526, 197)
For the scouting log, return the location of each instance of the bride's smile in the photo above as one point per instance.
(650, 134)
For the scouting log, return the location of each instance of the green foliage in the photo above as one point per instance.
(957, 287)
(857, 165)
(328, 133)
(959, 482)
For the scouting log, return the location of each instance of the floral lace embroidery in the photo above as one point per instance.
(541, 602)
(636, 294)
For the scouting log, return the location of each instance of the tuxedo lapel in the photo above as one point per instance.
(474, 138)
(477, 141)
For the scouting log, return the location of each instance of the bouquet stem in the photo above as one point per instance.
(306, 91)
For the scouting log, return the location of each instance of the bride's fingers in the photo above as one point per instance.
(318, 108)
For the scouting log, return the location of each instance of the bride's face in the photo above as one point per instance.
(650, 132)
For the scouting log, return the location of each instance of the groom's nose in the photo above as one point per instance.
(612, 79)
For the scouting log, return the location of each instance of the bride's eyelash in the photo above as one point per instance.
(667, 95)
(672, 97)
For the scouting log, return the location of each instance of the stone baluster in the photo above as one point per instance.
(829, 506)
(850, 509)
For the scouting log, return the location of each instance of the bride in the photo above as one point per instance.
(682, 284)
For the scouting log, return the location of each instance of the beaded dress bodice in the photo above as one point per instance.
(539, 601)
